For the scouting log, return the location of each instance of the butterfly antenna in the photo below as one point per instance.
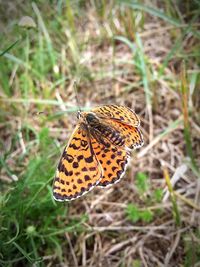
(77, 100)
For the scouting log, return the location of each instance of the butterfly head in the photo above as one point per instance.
(79, 115)
(88, 118)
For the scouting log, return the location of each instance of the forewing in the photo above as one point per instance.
(118, 113)
(78, 170)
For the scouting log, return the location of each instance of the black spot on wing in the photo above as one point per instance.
(75, 165)
(68, 157)
(87, 177)
(74, 146)
(89, 159)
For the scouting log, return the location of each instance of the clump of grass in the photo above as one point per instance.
(29, 216)
(187, 128)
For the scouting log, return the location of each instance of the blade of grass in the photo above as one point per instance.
(20, 62)
(150, 10)
(177, 46)
(11, 261)
(187, 131)
(148, 93)
(66, 229)
(127, 42)
(70, 15)
(173, 198)
(23, 252)
(58, 246)
(5, 166)
(46, 34)
(143, 69)
(16, 235)
(9, 48)
(37, 193)
(173, 126)
(187, 201)
(35, 101)
(34, 249)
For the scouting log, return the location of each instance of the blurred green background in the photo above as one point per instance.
(141, 54)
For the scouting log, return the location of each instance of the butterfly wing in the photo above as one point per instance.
(113, 161)
(78, 170)
(123, 121)
(118, 131)
(118, 113)
(131, 135)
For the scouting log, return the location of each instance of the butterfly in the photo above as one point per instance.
(98, 151)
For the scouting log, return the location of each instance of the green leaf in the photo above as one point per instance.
(146, 215)
(142, 182)
(158, 194)
(132, 212)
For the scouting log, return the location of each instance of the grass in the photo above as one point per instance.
(124, 52)
(175, 210)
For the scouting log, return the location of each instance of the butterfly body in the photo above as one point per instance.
(98, 152)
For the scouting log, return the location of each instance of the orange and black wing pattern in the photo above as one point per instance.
(98, 151)
(78, 170)
(113, 161)
(118, 113)
(123, 120)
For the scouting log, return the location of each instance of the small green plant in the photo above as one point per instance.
(137, 263)
(142, 182)
(135, 214)
(158, 194)
(146, 215)
(132, 212)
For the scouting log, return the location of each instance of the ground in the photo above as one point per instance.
(143, 55)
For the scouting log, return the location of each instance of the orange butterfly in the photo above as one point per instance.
(98, 151)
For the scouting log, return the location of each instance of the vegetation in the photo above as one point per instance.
(142, 54)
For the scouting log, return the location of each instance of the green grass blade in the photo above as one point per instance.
(46, 34)
(143, 68)
(127, 42)
(9, 48)
(176, 213)
(149, 10)
(187, 130)
(23, 252)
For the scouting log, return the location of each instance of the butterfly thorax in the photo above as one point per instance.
(92, 120)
